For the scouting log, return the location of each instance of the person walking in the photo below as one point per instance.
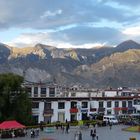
(91, 132)
(67, 128)
(93, 136)
(80, 135)
(110, 125)
(94, 131)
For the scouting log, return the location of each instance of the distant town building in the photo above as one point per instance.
(51, 102)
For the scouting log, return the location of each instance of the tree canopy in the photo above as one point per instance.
(14, 100)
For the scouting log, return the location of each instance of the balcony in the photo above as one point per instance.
(73, 110)
(120, 108)
(48, 112)
(101, 109)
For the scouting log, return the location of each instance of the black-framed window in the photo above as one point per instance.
(101, 104)
(35, 91)
(136, 102)
(73, 104)
(116, 103)
(109, 104)
(123, 103)
(51, 92)
(61, 105)
(43, 92)
(47, 105)
(84, 104)
(130, 104)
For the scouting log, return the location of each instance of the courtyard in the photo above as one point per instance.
(104, 133)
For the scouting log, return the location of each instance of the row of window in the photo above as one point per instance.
(116, 104)
(61, 105)
(43, 91)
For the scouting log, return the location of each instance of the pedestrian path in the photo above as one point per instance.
(104, 133)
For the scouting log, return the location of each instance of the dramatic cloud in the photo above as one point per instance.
(73, 22)
(76, 36)
(25, 40)
(53, 13)
(133, 31)
(84, 34)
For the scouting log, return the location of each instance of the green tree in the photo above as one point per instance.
(14, 100)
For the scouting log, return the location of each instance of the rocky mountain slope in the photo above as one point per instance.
(100, 66)
(119, 69)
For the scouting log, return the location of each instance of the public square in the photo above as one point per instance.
(104, 133)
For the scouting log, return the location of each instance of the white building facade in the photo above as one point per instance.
(51, 103)
(80, 109)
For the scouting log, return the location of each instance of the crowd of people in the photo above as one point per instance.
(78, 135)
(34, 133)
(13, 133)
(19, 133)
(93, 134)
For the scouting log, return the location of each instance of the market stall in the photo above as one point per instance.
(10, 129)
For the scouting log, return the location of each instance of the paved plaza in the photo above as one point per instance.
(104, 133)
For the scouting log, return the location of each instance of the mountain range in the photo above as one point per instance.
(97, 67)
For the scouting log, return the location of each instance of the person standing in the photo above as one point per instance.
(97, 136)
(92, 134)
(31, 133)
(94, 131)
(67, 128)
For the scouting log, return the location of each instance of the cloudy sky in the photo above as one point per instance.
(69, 23)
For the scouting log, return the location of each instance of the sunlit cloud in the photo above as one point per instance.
(26, 40)
(133, 31)
(69, 22)
(89, 45)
